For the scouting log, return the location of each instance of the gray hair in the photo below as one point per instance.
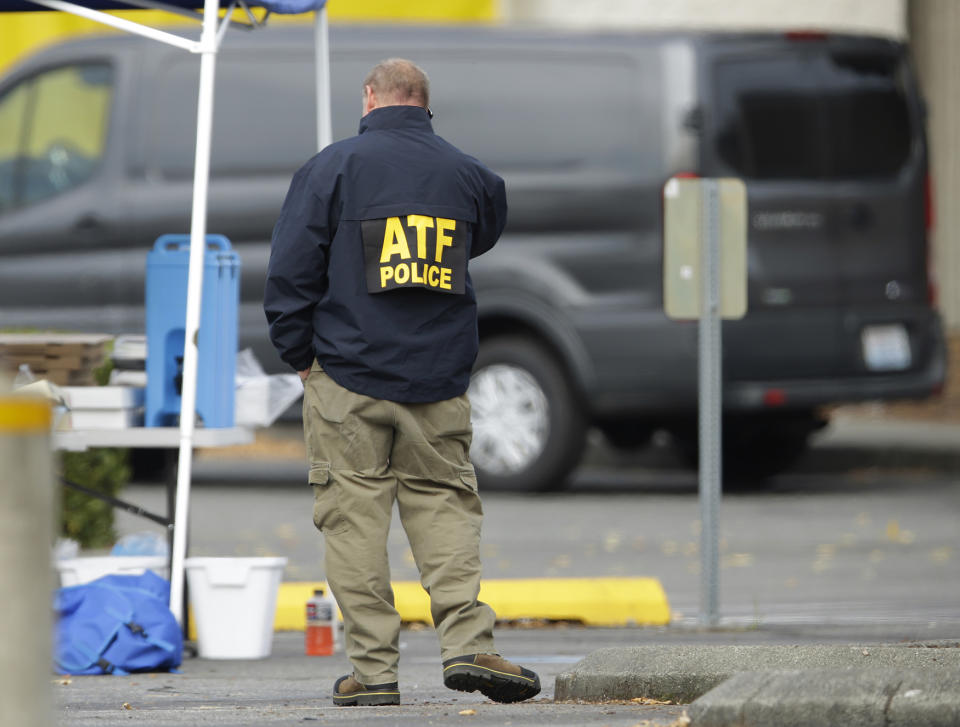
(399, 81)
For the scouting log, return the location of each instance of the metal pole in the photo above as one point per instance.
(710, 405)
(198, 229)
(27, 498)
(120, 24)
(322, 51)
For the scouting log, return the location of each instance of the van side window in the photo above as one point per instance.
(813, 116)
(52, 132)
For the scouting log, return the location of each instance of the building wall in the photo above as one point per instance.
(884, 17)
(935, 36)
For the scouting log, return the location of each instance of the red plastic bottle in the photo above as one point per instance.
(319, 634)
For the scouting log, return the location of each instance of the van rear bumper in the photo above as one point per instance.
(919, 383)
(672, 397)
(756, 395)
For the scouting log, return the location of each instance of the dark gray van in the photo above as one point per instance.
(96, 154)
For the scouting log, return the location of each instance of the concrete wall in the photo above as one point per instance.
(935, 36)
(884, 17)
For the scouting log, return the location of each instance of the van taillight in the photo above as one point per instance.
(805, 35)
(929, 218)
(678, 175)
(774, 397)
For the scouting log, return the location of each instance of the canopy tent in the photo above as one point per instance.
(211, 36)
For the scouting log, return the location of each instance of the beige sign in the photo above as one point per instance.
(687, 226)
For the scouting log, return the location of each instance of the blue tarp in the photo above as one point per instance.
(285, 7)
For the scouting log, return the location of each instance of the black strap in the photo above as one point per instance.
(116, 502)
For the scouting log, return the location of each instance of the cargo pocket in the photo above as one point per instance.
(326, 508)
(469, 478)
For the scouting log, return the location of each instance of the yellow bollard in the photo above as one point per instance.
(27, 498)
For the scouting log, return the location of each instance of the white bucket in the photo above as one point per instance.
(74, 571)
(234, 605)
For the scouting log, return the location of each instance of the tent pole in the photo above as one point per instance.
(322, 52)
(198, 225)
(120, 23)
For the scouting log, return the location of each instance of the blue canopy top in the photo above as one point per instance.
(285, 7)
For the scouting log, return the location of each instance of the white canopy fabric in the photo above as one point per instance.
(211, 36)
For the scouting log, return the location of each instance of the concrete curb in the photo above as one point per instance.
(685, 673)
(833, 698)
(592, 601)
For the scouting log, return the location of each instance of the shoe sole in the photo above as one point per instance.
(367, 699)
(496, 685)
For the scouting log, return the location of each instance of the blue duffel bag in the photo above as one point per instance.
(117, 624)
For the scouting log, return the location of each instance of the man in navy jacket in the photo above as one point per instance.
(369, 298)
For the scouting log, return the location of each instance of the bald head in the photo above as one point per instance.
(395, 82)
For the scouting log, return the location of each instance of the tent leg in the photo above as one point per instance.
(208, 58)
(322, 51)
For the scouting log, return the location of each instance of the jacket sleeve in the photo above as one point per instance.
(297, 271)
(491, 212)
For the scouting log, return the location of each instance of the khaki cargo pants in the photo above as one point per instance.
(365, 454)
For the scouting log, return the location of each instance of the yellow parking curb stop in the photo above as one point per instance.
(591, 601)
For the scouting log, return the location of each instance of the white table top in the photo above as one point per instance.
(78, 440)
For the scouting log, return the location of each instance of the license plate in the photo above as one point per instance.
(886, 348)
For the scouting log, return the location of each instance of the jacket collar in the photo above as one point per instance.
(396, 117)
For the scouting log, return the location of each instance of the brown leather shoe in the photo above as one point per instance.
(495, 677)
(348, 692)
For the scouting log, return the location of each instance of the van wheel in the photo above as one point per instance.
(528, 426)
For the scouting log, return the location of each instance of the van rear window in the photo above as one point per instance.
(813, 115)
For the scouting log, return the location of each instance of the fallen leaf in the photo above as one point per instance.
(898, 535)
(612, 541)
(126, 705)
(940, 555)
(467, 712)
(893, 530)
(649, 700)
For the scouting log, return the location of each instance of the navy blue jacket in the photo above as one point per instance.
(368, 261)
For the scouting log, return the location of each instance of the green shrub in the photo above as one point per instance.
(86, 519)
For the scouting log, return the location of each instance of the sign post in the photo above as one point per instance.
(705, 278)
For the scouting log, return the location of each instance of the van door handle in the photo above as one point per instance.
(88, 223)
(861, 218)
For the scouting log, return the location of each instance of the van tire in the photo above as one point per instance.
(520, 393)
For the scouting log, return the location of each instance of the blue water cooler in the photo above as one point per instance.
(166, 312)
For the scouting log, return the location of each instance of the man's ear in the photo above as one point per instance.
(369, 100)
